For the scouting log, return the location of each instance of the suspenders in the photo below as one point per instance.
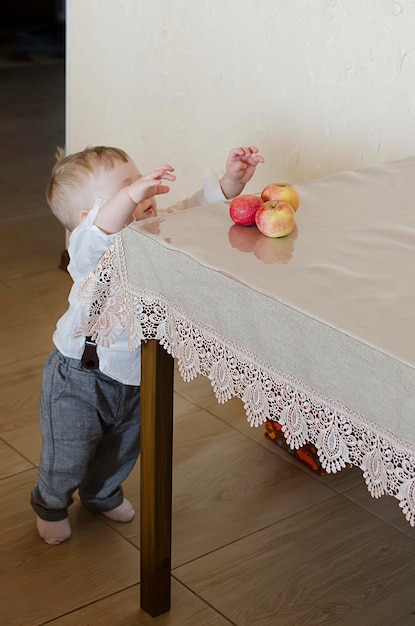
(89, 358)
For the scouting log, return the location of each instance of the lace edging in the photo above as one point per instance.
(340, 436)
(108, 308)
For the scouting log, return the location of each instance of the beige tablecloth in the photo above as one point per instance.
(314, 330)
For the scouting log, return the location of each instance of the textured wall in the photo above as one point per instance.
(318, 85)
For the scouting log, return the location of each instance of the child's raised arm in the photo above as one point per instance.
(117, 212)
(240, 167)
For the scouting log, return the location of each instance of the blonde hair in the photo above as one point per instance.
(72, 185)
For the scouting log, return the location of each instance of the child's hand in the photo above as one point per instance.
(150, 184)
(117, 211)
(240, 167)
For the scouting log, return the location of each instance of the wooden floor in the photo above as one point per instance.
(257, 538)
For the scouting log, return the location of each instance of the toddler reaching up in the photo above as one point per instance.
(90, 418)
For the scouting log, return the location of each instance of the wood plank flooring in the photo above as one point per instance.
(258, 540)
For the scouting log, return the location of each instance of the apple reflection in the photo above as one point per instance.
(267, 249)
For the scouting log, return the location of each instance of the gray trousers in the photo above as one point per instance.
(90, 427)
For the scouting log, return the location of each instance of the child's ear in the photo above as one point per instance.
(82, 214)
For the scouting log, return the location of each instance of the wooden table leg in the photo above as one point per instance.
(156, 477)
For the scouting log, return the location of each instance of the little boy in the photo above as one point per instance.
(90, 418)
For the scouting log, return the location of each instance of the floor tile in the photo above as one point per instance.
(36, 94)
(29, 249)
(233, 413)
(16, 205)
(386, 508)
(226, 487)
(24, 337)
(331, 565)
(54, 580)
(11, 462)
(122, 609)
(19, 402)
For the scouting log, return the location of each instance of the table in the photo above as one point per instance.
(314, 330)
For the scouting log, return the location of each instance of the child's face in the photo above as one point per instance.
(119, 176)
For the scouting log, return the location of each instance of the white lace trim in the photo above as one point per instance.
(341, 436)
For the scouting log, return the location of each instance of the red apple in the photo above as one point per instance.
(281, 191)
(242, 209)
(275, 219)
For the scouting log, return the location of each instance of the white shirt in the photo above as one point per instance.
(87, 244)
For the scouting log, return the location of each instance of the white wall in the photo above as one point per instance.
(318, 85)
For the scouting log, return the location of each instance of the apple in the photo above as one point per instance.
(275, 219)
(242, 209)
(281, 191)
